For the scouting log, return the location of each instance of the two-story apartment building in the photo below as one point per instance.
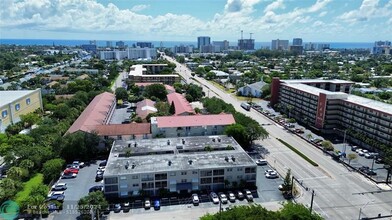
(190, 125)
(180, 165)
(13, 104)
(149, 73)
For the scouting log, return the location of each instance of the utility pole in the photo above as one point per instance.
(311, 202)
(292, 186)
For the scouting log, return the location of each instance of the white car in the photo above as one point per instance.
(195, 199)
(261, 162)
(59, 186)
(358, 150)
(248, 195)
(271, 174)
(147, 204)
(58, 195)
(69, 176)
(361, 153)
(231, 196)
(214, 198)
(223, 198)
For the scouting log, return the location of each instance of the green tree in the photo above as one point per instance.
(30, 119)
(8, 188)
(238, 132)
(351, 156)
(195, 91)
(327, 145)
(287, 183)
(121, 94)
(94, 202)
(17, 173)
(156, 90)
(51, 169)
(172, 109)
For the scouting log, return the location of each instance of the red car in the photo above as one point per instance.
(71, 170)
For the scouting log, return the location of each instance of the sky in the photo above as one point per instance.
(185, 20)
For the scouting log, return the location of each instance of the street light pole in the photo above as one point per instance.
(363, 207)
(344, 140)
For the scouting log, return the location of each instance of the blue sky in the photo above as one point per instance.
(184, 20)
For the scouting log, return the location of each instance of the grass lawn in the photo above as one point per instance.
(35, 181)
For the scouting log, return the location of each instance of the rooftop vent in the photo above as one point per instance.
(135, 144)
(129, 145)
(133, 165)
(213, 139)
(233, 158)
(227, 159)
(190, 162)
(219, 140)
(169, 163)
(183, 141)
(179, 147)
(168, 142)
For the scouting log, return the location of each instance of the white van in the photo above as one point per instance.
(59, 186)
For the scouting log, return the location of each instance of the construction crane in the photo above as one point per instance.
(250, 36)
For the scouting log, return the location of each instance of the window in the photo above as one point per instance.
(111, 180)
(28, 101)
(172, 173)
(239, 169)
(123, 178)
(229, 169)
(183, 180)
(17, 107)
(135, 185)
(135, 177)
(194, 172)
(183, 173)
(205, 180)
(111, 188)
(4, 113)
(219, 172)
(206, 173)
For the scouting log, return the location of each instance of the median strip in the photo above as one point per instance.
(298, 152)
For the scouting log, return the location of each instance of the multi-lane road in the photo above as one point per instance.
(335, 187)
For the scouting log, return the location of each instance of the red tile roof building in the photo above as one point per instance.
(145, 107)
(126, 131)
(191, 125)
(182, 106)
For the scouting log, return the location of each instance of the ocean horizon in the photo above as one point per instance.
(168, 44)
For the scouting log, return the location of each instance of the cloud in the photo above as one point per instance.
(369, 9)
(274, 5)
(322, 14)
(138, 8)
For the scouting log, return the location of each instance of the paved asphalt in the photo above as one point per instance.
(335, 187)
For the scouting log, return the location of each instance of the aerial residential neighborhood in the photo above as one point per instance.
(208, 119)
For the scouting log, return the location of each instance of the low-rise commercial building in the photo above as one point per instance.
(190, 125)
(181, 165)
(13, 104)
(325, 105)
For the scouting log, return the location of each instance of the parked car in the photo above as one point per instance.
(96, 188)
(157, 204)
(58, 195)
(248, 195)
(363, 168)
(147, 204)
(78, 163)
(68, 175)
(358, 150)
(98, 177)
(117, 207)
(271, 174)
(361, 153)
(71, 170)
(369, 156)
(223, 198)
(261, 162)
(354, 148)
(379, 160)
(195, 199)
(214, 198)
(231, 196)
(370, 172)
(240, 195)
(59, 186)
(103, 163)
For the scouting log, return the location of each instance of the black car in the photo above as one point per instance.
(103, 163)
(364, 168)
(379, 161)
(99, 177)
(370, 172)
(95, 189)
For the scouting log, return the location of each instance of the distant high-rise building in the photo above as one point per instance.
(203, 41)
(120, 44)
(382, 47)
(183, 49)
(297, 49)
(323, 46)
(310, 46)
(109, 44)
(223, 45)
(89, 47)
(93, 42)
(280, 44)
(246, 44)
(297, 42)
(144, 44)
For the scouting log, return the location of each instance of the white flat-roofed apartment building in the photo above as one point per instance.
(130, 53)
(328, 106)
(177, 165)
(150, 73)
(13, 104)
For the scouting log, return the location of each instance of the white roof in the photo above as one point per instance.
(7, 97)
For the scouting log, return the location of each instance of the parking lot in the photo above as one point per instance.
(76, 188)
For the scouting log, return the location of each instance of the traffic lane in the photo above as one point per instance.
(267, 189)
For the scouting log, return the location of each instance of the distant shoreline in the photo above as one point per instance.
(102, 43)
